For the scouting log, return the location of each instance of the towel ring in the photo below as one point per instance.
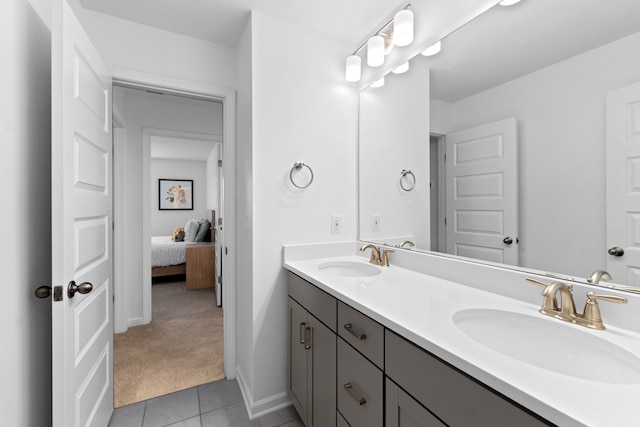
(403, 175)
(296, 167)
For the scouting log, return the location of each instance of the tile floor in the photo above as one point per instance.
(217, 404)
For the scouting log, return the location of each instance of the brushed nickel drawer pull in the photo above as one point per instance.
(307, 338)
(349, 389)
(349, 327)
(301, 332)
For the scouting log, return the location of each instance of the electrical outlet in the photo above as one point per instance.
(375, 223)
(336, 224)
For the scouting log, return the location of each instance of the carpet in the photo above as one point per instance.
(182, 347)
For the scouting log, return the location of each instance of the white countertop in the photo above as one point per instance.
(421, 308)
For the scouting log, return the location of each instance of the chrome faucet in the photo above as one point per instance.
(376, 259)
(598, 275)
(590, 318)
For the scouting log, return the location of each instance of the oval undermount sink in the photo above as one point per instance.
(349, 269)
(550, 345)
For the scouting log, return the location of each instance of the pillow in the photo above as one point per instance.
(190, 230)
(178, 234)
(203, 229)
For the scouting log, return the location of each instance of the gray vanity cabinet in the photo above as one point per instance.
(347, 370)
(454, 397)
(360, 388)
(312, 353)
(402, 410)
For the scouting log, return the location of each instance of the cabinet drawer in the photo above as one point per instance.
(363, 333)
(452, 396)
(360, 388)
(317, 302)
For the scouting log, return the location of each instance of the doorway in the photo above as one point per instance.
(437, 191)
(144, 313)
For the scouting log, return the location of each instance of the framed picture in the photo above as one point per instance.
(175, 194)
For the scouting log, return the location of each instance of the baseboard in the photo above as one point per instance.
(262, 406)
(135, 321)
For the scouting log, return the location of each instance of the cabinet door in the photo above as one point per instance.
(360, 391)
(322, 366)
(298, 378)
(405, 411)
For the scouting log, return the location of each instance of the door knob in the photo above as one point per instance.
(616, 251)
(82, 288)
(508, 240)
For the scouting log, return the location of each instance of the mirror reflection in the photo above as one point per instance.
(539, 72)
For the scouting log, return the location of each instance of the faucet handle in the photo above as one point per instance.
(536, 281)
(592, 311)
(610, 298)
(385, 258)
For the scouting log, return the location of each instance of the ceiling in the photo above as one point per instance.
(508, 42)
(175, 145)
(537, 33)
(180, 148)
(222, 21)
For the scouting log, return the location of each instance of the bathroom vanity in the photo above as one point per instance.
(390, 346)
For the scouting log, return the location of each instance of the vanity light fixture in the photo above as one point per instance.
(375, 51)
(401, 69)
(378, 83)
(381, 43)
(403, 28)
(433, 49)
(354, 68)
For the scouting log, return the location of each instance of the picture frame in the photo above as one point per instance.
(175, 194)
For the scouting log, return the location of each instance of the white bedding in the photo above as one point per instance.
(164, 252)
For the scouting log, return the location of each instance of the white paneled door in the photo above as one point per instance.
(482, 187)
(82, 223)
(623, 185)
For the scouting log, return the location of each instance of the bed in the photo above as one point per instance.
(169, 258)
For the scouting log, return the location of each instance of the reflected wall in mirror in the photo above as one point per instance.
(393, 159)
(550, 65)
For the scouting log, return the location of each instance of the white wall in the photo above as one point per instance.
(145, 114)
(25, 132)
(302, 110)
(164, 222)
(561, 135)
(146, 49)
(394, 136)
(244, 211)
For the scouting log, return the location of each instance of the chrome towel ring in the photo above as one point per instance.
(297, 166)
(407, 175)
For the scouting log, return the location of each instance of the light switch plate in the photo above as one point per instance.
(336, 224)
(375, 223)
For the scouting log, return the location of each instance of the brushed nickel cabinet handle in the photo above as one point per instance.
(349, 327)
(301, 332)
(349, 389)
(307, 338)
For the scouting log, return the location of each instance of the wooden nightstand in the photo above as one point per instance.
(200, 265)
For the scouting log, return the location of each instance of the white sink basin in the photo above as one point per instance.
(350, 269)
(549, 344)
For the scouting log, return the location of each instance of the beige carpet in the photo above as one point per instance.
(182, 347)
